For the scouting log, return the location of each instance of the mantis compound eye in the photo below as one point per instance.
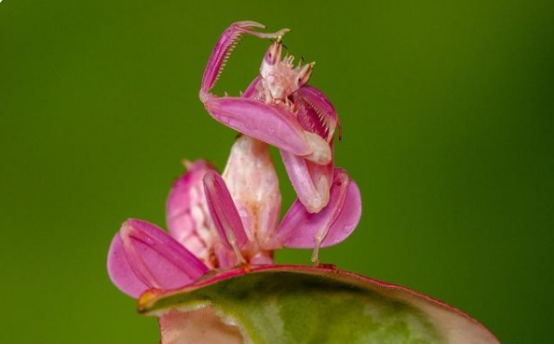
(303, 74)
(273, 54)
(272, 57)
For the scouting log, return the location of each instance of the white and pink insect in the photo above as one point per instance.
(280, 109)
(219, 221)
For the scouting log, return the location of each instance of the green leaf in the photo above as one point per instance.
(305, 304)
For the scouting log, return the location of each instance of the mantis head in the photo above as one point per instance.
(280, 77)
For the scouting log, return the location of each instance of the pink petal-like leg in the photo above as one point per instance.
(121, 272)
(224, 213)
(187, 214)
(223, 48)
(143, 256)
(310, 181)
(301, 229)
(271, 124)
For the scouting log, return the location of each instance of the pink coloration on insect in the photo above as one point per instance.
(223, 228)
(221, 221)
(280, 109)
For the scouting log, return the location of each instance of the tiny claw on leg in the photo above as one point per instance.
(318, 239)
(315, 254)
(247, 25)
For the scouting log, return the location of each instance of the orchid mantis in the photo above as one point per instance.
(223, 221)
(279, 108)
(212, 277)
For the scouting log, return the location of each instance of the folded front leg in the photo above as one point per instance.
(310, 181)
(272, 124)
(223, 48)
(316, 115)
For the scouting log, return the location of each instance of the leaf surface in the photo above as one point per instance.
(305, 304)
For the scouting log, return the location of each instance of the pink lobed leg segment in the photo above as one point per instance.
(187, 212)
(310, 181)
(143, 256)
(268, 123)
(121, 272)
(332, 225)
(224, 213)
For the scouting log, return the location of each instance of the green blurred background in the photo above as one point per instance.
(447, 113)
